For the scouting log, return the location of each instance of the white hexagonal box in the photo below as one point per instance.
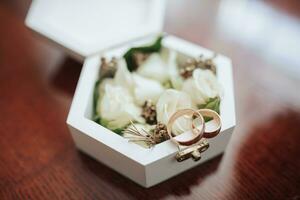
(94, 28)
(145, 166)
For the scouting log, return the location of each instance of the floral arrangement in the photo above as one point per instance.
(136, 95)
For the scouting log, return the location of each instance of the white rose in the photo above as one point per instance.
(202, 86)
(123, 77)
(146, 89)
(102, 85)
(117, 108)
(173, 72)
(168, 103)
(154, 67)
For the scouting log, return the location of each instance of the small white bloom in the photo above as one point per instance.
(102, 85)
(173, 72)
(202, 86)
(190, 88)
(146, 89)
(168, 103)
(123, 77)
(117, 107)
(155, 68)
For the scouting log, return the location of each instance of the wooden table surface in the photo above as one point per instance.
(38, 159)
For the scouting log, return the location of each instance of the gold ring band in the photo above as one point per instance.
(198, 133)
(213, 130)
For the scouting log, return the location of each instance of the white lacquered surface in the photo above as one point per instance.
(161, 157)
(87, 27)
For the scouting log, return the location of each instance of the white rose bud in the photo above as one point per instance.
(123, 77)
(202, 86)
(102, 85)
(146, 89)
(117, 108)
(155, 68)
(168, 103)
(174, 76)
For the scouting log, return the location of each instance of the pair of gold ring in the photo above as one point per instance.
(201, 130)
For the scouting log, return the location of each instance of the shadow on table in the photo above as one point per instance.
(268, 162)
(66, 76)
(64, 79)
(177, 186)
(265, 166)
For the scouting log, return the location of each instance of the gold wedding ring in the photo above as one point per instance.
(198, 132)
(198, 144)
(213, 129)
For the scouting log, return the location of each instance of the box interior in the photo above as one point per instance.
(84, 102)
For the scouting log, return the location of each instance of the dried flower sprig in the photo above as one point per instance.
(139, 135)
(149, 112)
(191, 64)
(157, 135)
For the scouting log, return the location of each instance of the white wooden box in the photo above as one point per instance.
(146, 167)
(88, 30)
(84, 28)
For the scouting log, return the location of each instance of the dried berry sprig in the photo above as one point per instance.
(197, 63)
(107, 68)
(160, 133)
(149, 112)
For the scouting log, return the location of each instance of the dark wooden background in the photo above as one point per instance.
(38, 159)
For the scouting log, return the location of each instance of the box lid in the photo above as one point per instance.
(88, 27)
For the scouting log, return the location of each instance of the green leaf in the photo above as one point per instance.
(213, 104)
(104, 123)
(167, 84)
(129, 55)
(207, 119)
(118, 131)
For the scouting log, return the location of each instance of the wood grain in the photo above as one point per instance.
(38, 159)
